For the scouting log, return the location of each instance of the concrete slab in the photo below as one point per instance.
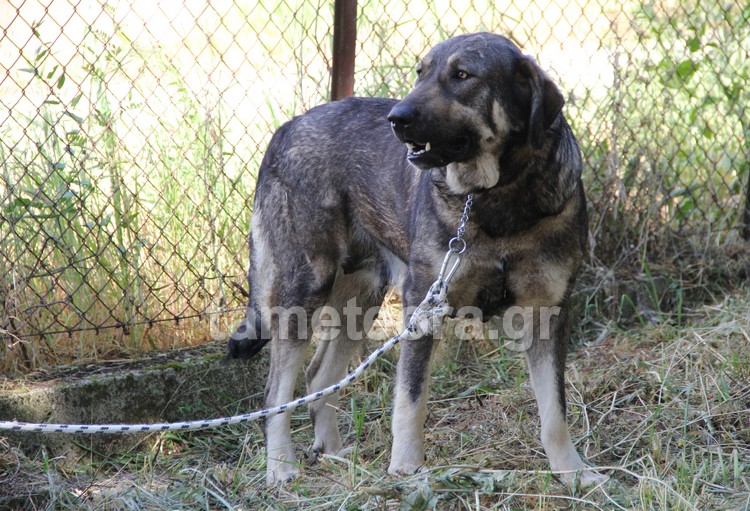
(179, 385)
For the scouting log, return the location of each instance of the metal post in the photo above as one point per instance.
(746, 217)
(344, 41)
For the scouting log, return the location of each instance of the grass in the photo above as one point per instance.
(662, 407)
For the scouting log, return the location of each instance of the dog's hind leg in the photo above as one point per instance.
(286, 359)
(353, 298)
(291, 329)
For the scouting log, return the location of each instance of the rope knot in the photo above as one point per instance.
(428, 315)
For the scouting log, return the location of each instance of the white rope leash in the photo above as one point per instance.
(421, 323)
(433, 307)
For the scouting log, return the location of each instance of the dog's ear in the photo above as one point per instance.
(545, 100)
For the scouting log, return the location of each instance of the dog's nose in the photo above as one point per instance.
(402, 116)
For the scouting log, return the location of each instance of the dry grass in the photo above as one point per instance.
(664, 409)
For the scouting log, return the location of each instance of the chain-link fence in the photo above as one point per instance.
(131, 131)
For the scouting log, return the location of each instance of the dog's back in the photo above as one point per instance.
(316, 182)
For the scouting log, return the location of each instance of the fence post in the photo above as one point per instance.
(746, 216)
(344, 41)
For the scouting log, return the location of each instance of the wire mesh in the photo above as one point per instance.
(131, 132)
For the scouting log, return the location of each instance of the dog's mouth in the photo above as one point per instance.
(417, 150)
(428, 154)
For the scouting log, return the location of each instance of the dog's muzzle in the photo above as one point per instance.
(425, 151)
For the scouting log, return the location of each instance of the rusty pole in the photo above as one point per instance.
(746, 217)
(344, 41)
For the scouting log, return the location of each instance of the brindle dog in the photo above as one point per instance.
(344, 209)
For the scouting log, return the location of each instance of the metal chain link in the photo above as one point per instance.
(457, 244)
(458, 240)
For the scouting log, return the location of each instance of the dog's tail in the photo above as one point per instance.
(249, 338)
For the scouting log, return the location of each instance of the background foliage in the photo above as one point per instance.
(130, 134)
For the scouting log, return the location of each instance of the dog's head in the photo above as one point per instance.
(474, 93)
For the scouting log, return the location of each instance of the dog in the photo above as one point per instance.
(363, 194)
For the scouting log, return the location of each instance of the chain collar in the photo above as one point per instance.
(457, 244)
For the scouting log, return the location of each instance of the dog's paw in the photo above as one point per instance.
(283, 473)
(589, 478)
(584, 479)
(342, 452)
(405, 469)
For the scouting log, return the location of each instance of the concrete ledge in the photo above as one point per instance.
(180, 385)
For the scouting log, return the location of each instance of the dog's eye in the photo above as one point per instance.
(419, 70)
(462, 75)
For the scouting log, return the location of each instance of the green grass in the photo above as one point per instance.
(662, 408)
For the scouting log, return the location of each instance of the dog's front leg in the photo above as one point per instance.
(547, 347)
(410, 407)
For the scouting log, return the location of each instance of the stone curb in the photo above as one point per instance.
(181, 385)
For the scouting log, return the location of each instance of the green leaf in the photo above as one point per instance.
(422, 499)
(694, 44)
(693, 114)
(732, 93)
(22, 202)
(32, 70)
(61, 81)
(648, 10)
(686, 68)
(76, 99)
(709, 100)
(665, 66)
(75, 117)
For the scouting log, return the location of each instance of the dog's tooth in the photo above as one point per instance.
(427, 147)
(410, 146)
